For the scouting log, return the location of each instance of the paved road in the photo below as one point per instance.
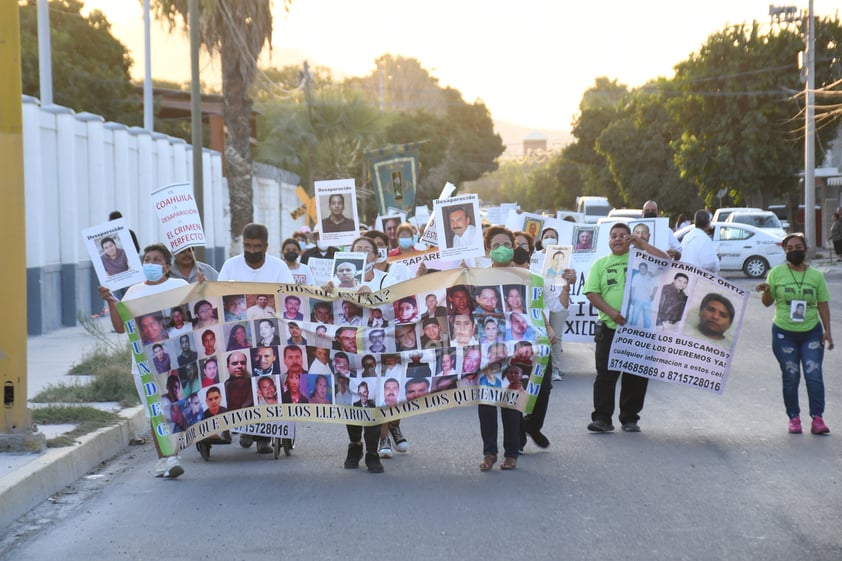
(709, 478)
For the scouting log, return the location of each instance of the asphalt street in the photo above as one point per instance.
(708, 478)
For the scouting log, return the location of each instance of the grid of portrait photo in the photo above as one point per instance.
(219, 354)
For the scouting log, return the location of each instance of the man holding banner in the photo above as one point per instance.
(604, 289)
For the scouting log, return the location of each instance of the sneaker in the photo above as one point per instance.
(631, 426)
(401, 445)
(265, 447)
(355, 453)
(385, 448)
(795, 425)
(246, 440)
(557, 376)
(600, 426)
(818, 426)
(372, 462)
(168, 467)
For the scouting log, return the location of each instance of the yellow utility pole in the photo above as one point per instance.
(16, 432)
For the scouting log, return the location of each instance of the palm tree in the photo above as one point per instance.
(237, 30)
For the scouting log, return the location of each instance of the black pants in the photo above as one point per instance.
(372, 436)
(535, 420)
(632, 388)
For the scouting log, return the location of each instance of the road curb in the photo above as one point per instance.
(48, 473)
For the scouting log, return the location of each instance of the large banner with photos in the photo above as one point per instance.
(682, 323)
(219, 356)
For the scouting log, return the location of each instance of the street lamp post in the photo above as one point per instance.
(807, 64)
(810, 133)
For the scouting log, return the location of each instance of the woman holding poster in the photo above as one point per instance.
(798, 340)
(373, 280)
(499, 245)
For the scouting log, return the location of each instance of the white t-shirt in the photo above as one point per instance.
(303, 275)
(142, 289)
(272, 270)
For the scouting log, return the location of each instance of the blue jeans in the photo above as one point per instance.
(796, 351)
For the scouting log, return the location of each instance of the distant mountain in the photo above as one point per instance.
(513, 136)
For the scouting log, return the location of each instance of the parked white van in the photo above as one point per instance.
(593, 208)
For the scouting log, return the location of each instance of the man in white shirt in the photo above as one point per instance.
(254, 265)
(697, 246)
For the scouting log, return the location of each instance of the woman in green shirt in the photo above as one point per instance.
(800, 330)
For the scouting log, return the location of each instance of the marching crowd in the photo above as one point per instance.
(464, 330)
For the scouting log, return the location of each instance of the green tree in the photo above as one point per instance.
(511, 182)
(326, 140)
(459, 139)
(237, 30)
(559, 181)
(289, 81)
(636, 146)
(402, 85)
(90, 67)
(737, 104)
(599, 107)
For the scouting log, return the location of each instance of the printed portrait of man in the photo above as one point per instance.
(715, 316)
(336, 220)
(672, 302)
(460, 227)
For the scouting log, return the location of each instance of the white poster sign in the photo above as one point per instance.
(179, 216)
(336, 210)
(113, 254)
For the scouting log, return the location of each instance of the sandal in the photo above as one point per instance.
(488, 462)
(509, 463)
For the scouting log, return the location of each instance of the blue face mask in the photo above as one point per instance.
(405, 243)
(153, 271)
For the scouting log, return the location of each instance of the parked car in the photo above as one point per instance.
(745, 248)
(763, 219)
(621, 214)
(721, 214)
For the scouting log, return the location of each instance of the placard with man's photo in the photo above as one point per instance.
(458, 227)
(348, 268)
(336, 211)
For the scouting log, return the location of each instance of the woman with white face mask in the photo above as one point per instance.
(550, 237)
(290, 253)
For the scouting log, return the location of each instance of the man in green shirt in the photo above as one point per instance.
(604, 288)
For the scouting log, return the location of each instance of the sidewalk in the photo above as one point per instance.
(28, 479)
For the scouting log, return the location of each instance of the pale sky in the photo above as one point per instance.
(529, 61)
